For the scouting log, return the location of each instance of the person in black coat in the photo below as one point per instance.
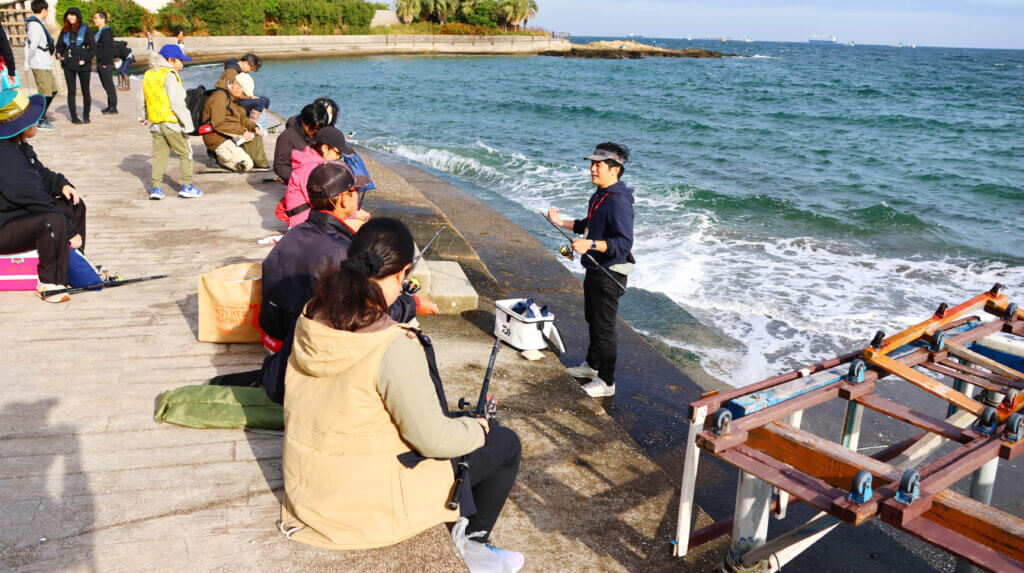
(7, 54)
(39, 208)
(105, 60)
(291, 270)
(300, 132)
(75, 50)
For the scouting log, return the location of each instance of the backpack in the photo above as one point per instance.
(195, 101)
(121, 50)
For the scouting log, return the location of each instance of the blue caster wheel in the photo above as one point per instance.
(856, 372)
(910, 487)
(860, 492)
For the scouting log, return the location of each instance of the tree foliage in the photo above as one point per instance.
(124, 16)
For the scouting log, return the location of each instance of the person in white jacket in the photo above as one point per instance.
(39, 46)
(160, 106)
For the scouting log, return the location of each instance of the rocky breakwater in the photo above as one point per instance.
(628, 49)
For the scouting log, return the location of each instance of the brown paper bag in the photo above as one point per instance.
(229, 303)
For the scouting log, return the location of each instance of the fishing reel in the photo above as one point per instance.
(411, 286)
(567, 252)
(490, 407)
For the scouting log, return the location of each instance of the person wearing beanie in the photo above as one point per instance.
(235, 139)
(161, 107)
(39, 209)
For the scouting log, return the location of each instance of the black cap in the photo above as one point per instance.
(341, 180)
(333, 136)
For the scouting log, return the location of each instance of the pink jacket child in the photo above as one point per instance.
(303, 163)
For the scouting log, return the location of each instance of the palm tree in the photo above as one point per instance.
(408, 9)
(530, 11)
(517, 12)
(440, 9)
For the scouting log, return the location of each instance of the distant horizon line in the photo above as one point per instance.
(742, 41)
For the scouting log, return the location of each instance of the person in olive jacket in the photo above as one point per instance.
(75, 50)
(105, 60)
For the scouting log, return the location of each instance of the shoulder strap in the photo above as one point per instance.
(435, 376)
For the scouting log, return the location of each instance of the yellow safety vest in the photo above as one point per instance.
(158, 105)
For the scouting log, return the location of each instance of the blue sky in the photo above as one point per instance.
(965, 23)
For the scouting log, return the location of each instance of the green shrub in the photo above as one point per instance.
(485, 13)
(124, 16)
(174, 17)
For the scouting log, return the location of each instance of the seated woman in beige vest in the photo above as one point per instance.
(368, 445)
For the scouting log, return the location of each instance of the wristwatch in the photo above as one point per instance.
(593, 245)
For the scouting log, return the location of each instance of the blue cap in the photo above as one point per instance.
(174, 51)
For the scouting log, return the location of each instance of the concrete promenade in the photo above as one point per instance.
(88, 481)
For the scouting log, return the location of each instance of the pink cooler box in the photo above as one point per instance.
(18, 271)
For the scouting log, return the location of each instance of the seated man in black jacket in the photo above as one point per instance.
(291, 270)
(39, 208)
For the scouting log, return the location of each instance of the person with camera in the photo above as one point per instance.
(368, 442)
(608, 238)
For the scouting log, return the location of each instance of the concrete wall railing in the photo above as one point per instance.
(209, 48)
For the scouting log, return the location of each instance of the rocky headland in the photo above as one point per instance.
(628, 49)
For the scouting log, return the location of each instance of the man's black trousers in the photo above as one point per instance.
(600, 307)
(107, 79)
(82, 76)
(492, 473)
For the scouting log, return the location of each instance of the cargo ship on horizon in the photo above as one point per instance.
(823, 40)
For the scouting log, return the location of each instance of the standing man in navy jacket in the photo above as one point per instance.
(607, 237)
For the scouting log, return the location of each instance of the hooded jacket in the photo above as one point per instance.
(303, 163)
(355, 402)
(27, 187)
(175, 93)
(293, 138)
(610, 219)
(231, 69)
(70, 51)
(226, 116)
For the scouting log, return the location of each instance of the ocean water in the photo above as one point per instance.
(794, 200)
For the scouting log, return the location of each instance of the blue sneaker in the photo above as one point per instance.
(156, 193)
(190, 192)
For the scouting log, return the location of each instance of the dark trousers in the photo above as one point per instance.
(492, 473)
(69, 81)
(259, 104)
(47, 234)
(600, 307)
(106, 74)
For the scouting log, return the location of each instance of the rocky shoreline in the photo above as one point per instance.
(628, 49)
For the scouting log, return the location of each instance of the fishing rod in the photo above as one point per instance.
(411, 285)
(105, 284)
(485, 408)
(567, 251)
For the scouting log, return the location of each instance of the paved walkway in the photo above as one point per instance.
(89, 482)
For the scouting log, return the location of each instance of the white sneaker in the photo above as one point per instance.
(477, 556)
(582, 370)
(597, 388)
(42, 287)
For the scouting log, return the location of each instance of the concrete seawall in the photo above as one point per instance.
(213, 48)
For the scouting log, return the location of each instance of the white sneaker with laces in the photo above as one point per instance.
(477, 556)
(598, 388)
(582, 370)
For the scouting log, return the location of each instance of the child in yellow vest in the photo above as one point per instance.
(161, 107)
